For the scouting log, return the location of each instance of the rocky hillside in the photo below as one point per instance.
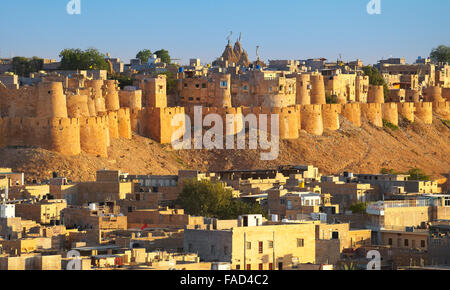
(365, 150)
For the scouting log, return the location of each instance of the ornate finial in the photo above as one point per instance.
(257, 55)
(230, 37)
(240, 36)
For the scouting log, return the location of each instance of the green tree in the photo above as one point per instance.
(124, 80)
(77, 59)
(376, 79)
(209, 199)
(440, 54)
(144, 55)
(359, 207)
(163, 55)
(418, 174)
(23, 66)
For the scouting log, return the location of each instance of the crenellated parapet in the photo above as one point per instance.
(352, 112)
(331, 114)
(372, 112)
(312, 120)
(406, 110)
(390, 113)
(424, 111)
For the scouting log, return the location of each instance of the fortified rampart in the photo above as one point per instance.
(68, 121)
(372, 112)
(330, 113)
(376, 94)
(424, 111)
(317, 90)
(85, 119)
(390, 113)
(442, 109)
(352, 112)
(406, 110)
(312, 120)
(432, 94)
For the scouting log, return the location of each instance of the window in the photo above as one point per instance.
(223, 84)
(260, 267)
(289, 204)
(244, 88)
(280, 266)
(300, 243)
(238, 267)
(270, 266)
(249, 267)
(203, 86)
(335, 236)
(249, 245)
(422, 243)
(270, 245)
(260, 247)
(406, 243)
(390, 242)
(447, 201)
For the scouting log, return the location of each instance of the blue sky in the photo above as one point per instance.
(284, 29)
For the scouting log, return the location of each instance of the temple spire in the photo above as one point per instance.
(230, 37)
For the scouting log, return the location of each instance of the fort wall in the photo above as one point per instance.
(432, 94)
(317, 90)
(113, 121)
(312, 121)
(51, 101)
(376, 94)
(390, 113)
(77, 106)
(330, 114)
(93, 135)
(352, 112)
(124, 123)
(412, 96)
(65, 136)
(406, 110)
(372, 112)
(303, 83)
(446, 94)
(111, 93)
(155, 123)
(130, 99)
(155, 92)
(442, 109)
(424, 111)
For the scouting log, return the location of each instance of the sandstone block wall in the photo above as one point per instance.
(312, 120)
(330, 114)
(352, 112)
(372, 112)
(406, 110)
(390, 113)
(376, 94)
(424, 111)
